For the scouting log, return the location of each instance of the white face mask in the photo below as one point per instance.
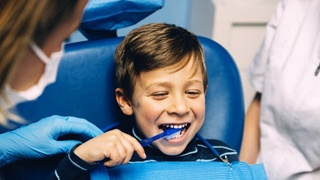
(48, 77)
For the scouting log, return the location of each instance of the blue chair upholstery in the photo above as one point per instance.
(85, 88)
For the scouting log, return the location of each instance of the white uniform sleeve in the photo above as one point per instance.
(259, 65)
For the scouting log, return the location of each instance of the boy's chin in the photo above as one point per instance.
(171, 150)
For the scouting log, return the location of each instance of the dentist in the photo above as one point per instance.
(32, 35)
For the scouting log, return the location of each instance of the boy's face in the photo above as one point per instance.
(165, 97)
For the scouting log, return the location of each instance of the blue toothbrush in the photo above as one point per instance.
(168, 132)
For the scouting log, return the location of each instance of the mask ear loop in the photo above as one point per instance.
(39, 52)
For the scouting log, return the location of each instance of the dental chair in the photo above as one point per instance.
(85, 88)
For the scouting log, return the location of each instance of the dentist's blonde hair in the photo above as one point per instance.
(22, 21)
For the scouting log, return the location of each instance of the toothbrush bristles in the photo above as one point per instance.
(173, 133)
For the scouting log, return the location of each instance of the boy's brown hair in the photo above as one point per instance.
(153, 46)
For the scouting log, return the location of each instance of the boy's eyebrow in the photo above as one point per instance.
(164, 84)
(195, 81)
(167, 84)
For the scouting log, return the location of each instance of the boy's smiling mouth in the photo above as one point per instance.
(177, 135)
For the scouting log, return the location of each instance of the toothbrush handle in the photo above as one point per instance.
(148, 141)
(145, 142)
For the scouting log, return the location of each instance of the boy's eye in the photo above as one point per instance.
(159, 95)
(193, 93)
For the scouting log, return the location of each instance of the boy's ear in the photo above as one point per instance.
(123, 102)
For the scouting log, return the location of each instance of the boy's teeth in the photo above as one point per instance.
(176, 126)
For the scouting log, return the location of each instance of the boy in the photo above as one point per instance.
(161, 82)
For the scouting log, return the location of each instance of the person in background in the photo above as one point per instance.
(282, 126)
(32, 36)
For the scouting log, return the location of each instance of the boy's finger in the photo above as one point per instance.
(136, 146)
(115, 158)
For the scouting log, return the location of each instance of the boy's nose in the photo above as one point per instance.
(179, 106)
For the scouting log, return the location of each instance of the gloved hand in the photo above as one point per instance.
(40, 139)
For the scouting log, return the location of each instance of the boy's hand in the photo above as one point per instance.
(113, 145)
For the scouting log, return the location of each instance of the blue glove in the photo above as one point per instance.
(40, 139)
